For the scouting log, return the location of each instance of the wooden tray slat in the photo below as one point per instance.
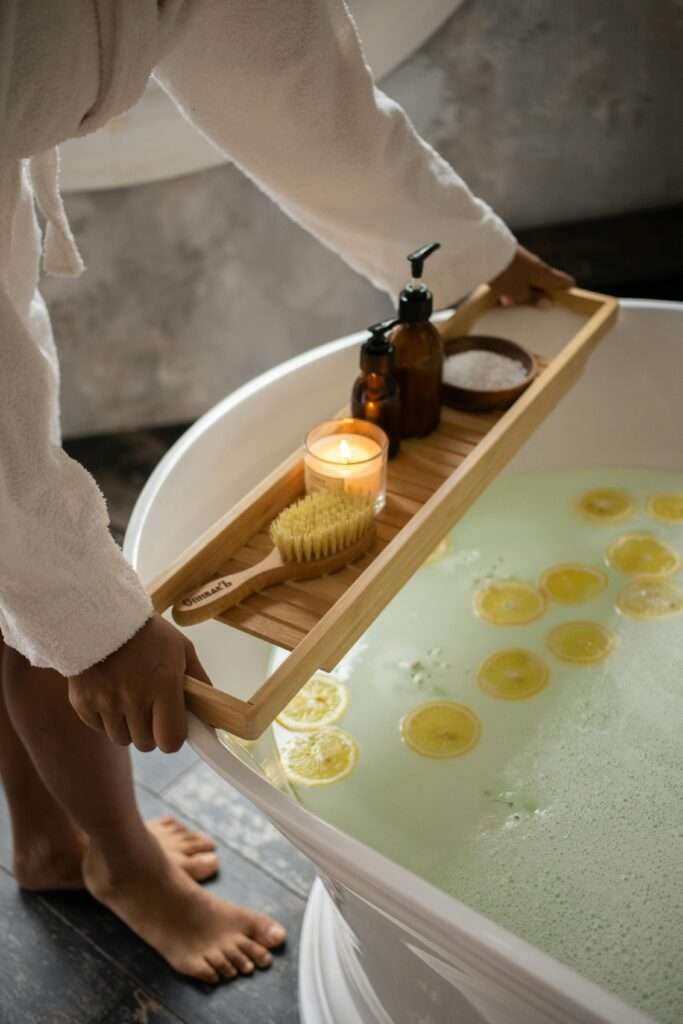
(430, 485)
(252, 622)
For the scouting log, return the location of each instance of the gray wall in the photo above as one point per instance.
(551, 111)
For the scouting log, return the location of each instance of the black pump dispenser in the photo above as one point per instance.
(375, 395)
(419, 353)
(377, 353)
(416, 301)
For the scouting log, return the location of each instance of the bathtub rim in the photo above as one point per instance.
(451, 928)
(177, 451)
(405, 898)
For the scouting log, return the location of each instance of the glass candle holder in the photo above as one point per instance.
(347, 455)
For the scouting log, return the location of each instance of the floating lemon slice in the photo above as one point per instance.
(321, 701)
(604, 505)
(513, 674)
(640, 554)
(228, 740)
(573, 584)
(441, 728)
(650, 599)
(318, 758)
(667, 507)
(509, 603)
(580, 642)
(439, 552)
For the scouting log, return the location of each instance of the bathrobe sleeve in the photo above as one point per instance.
(68, 597)
(284, 91)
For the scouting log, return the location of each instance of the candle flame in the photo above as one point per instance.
(345, 450)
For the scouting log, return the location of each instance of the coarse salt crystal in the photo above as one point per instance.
(480, 370)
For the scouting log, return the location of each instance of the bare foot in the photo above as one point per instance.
(194, 852)
(52, 859)
(198, 934)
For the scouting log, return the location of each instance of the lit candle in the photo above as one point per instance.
(347, 455)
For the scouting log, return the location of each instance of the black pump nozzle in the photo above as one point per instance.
(377, 343)
(417, 258)
(415, 301)
(377, 352)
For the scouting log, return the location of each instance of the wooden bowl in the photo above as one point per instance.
(473, 399)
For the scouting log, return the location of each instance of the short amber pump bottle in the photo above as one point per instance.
(375, 394)
(419, 353)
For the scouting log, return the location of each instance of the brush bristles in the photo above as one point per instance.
(321, 525)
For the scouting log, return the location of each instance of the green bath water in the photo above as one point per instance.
(565, 822)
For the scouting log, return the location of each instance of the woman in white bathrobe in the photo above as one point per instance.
(283, 89)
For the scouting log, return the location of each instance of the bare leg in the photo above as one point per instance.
(48, 846)
(124, 866)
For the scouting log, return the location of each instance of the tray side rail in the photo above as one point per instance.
(335, 633)
(346, 621)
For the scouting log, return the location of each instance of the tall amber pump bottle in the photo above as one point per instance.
(419, 353)
(375, 395)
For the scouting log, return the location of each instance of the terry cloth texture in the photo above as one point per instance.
(284, 91)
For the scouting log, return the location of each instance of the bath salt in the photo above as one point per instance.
(483, 371)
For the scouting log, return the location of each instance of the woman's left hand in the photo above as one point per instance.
(526, 278)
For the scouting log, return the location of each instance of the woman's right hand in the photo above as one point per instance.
(527, 277)
(136, 694)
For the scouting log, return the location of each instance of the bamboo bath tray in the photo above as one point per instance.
(430, 485)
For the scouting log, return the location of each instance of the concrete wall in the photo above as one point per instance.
(551, 111)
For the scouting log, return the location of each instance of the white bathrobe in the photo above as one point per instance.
(283, 89)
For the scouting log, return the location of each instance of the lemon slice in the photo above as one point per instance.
(667, 507)
(441, 728)
(239, 748)
(580, 642)
(319, 758)
(439, 552)
(509, 603)
(650, 599)
(320, 702)
(604, 505)
(640, 554)
(513, 674)
(573, 584)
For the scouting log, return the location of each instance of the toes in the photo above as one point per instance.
(240, 960)
(220, 963)
(256, 952)
(198, 967)
(201, 866)
(187, 840)
(268, 932)
(194, 842)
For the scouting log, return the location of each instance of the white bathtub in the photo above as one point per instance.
(379, 944)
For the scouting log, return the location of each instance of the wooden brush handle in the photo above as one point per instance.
(209, 600)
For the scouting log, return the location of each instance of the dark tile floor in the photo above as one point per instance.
(65, 960)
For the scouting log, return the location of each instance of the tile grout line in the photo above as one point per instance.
(110, 959)
(233, 849)
(183, 771)
(141, 1013)
(106, 956)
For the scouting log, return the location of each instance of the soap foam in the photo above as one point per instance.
(565, 823)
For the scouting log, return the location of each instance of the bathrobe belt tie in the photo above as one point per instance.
(60, 252)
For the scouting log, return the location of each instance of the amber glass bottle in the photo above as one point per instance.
(419, 354)
(375, 395)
